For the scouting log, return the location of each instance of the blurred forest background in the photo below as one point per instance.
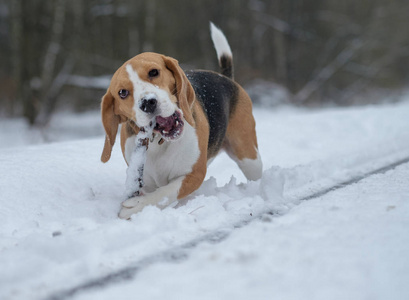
(61, 54)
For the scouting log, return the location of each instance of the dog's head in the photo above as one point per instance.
(148, 88)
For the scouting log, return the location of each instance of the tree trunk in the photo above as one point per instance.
(150, 20)
(16, 53)
(280, 53)
(48, 92)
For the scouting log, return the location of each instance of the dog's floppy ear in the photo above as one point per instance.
(184, 90)
(111, 122)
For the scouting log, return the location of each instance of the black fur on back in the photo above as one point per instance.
(218, 96)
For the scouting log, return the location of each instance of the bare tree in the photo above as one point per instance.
(328, 71)
(150, 21)
(16, 49)
(51, 85)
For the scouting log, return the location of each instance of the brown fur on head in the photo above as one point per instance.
(184, 90)
(170, 86)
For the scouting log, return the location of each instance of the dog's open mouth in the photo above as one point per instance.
(170, 127)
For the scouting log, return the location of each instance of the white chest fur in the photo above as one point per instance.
(168, 161)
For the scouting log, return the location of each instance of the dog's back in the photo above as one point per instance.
(218, 95)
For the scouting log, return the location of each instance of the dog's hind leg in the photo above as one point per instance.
(241, 140)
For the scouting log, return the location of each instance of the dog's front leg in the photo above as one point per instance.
(161, 198)
(135, 155)
(178, 188)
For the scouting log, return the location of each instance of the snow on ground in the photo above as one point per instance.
(350, 244)
(59, 225)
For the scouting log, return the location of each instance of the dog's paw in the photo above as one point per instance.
(126, 213)
(136, 204)
(132, 206)
(132, 202)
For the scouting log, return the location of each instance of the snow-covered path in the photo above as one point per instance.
(350, 244)
(58, 223)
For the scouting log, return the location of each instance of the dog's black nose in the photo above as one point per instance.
(148, 105)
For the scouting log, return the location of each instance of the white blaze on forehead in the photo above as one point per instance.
(146, 90)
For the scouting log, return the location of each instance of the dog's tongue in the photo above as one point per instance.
(165, 123)
(170, 127)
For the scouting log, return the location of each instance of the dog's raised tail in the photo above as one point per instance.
(223, 50)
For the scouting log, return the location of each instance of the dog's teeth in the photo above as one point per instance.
(165, 132)
(177, 122)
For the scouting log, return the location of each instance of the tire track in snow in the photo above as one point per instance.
(356, 179)
(181, 253)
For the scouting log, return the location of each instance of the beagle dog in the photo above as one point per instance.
(196, 114)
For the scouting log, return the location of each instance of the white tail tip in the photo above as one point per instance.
(220, 42)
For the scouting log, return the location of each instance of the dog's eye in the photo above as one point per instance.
(123, 93)
(153, 73)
